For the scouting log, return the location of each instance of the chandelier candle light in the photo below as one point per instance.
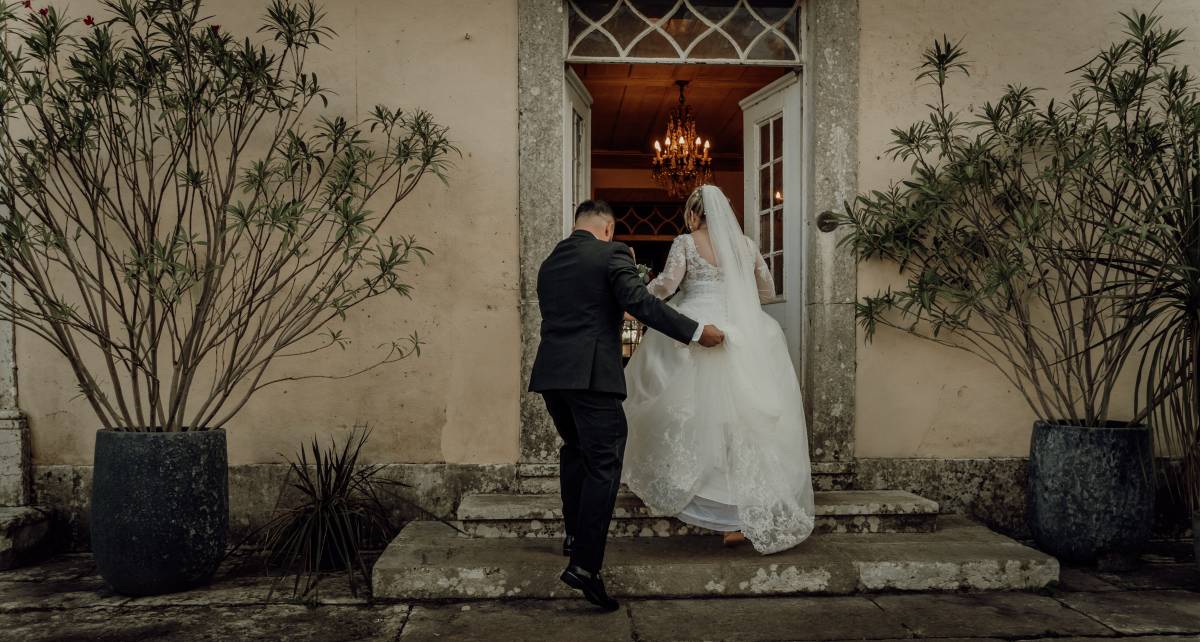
(681, 161)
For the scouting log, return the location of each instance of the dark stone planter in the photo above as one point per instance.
(1091, 489)
(160, 509)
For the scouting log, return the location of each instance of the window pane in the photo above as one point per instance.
(764, 188)
(653, 45)
(624, 25)
(743, 27)
(575, 25)
(777, 145)
(715, 45)
(773, 11)
(577, 152)
(777, 195)
(684, 27)
(764, 234)
(777, 272)
(594, 9)
(595, 45)
(653, 9)
(790, 28)
(714, 10)
(764, 143)
(777, 235)
(771, 47)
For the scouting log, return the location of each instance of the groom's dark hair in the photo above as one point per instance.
(594, 207)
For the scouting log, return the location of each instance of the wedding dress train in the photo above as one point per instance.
(717, 437)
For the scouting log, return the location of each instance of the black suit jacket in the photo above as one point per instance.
(584, 287)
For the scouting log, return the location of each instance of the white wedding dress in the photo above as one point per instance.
(717, 436)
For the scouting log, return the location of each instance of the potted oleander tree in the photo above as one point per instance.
(177, 221)
(1008, 232)
(1155, 112)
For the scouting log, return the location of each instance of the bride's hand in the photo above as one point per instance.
(629, 317)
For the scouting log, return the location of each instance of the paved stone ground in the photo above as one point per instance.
(62, 599)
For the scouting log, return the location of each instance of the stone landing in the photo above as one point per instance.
(429, 561)
(537, 479)
(540, 515)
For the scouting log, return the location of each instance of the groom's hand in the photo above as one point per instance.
(711, 336)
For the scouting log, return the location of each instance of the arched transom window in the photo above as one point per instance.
(718, 31)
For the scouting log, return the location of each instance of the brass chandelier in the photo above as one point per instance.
(681, 162)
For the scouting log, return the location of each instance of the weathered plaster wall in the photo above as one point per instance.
(914, 398)
(457, 402)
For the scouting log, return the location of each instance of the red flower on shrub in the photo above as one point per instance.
(28, 4)
(215, 29)
(44, 10)
(89, 21)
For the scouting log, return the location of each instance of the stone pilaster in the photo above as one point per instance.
(540, 96)
(24, 529)
(831, 273)
(15, 462)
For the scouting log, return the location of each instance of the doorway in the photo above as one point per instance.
(555, 37)
(750, 117)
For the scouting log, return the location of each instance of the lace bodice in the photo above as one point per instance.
(685, 267)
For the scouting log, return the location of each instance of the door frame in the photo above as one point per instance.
(830, 40)
(576, 99)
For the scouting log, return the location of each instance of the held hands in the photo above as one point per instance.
(711, 337)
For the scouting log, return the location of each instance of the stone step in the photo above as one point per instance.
(24, 534)
(844, 511)
(429, 561)
(537, 479)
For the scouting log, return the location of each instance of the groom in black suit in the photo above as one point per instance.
(584, 288)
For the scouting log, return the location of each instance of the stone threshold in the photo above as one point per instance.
(524, 515)
(430, 561)
(487, 506)
(550, 469)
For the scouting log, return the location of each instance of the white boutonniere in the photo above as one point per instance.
(643, 271)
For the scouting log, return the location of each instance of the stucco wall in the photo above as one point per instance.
(458, 401)
(916, 399)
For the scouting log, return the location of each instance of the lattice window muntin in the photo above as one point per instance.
(649, 221)
(741, 32)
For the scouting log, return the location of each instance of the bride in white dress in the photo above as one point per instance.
(717, 437)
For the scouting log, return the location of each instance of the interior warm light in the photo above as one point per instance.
(682, 166)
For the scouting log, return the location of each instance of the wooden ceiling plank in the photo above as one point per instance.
(632, 102)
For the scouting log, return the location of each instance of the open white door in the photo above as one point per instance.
(577, 147)
(774, 205)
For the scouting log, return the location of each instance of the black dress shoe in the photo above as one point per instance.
(591, 585)
(568, 545)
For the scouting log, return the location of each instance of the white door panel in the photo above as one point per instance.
(774, 204)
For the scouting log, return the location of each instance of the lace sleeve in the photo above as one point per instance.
(762, 275)
(665, 284)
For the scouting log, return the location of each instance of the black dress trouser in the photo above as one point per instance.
(593, 429)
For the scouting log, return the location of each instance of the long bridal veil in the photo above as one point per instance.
(736, 409)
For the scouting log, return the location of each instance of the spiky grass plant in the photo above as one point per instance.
(340, 516)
